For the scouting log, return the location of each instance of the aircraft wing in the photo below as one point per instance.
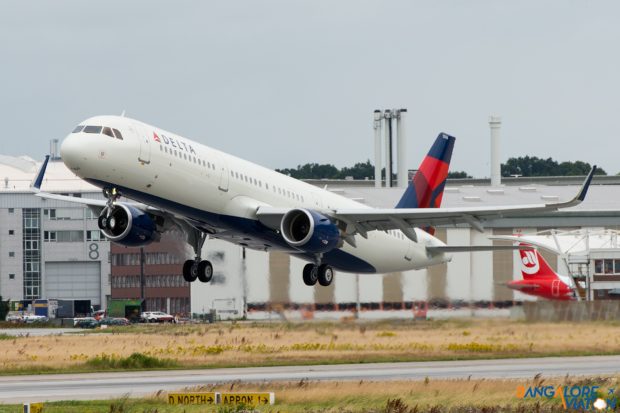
(369, 219)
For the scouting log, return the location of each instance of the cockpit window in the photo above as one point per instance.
(108, 131)
(117, 134)
(92, 129)
(78, 128)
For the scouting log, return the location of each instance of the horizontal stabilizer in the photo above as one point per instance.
(523, 287)
(475, 248)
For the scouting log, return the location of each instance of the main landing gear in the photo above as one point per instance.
(197, 269)
(322, 273)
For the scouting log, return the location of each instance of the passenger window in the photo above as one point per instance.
(78, 128)
(108, 131)
(117, 134)
(92, 129)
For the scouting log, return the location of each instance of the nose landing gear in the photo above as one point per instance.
(105, 221)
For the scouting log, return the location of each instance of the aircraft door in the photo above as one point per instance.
(555, 288)
(409, 253)
(223, 186)
(145, 144)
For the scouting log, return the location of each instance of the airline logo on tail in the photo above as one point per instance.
(426, 188)
(529, 262)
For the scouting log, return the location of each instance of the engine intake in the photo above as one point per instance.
(127, 225)
(309, 231)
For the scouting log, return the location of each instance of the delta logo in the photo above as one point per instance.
(583, 398)
(175, 143)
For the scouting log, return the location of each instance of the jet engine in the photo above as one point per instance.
(309, 231)
(127, 225)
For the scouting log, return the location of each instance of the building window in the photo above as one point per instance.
(11, 210)
(63, 236)
(89, 214)
(11, 253)
(606, 266)
(32, 254)
(11, 232)
(11, 276)
(95, 235)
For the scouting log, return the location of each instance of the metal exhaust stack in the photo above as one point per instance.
(388, 148)
(377, 124)
(495, 123)
(403, 171)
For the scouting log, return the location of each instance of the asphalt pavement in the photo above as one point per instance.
(92, 386)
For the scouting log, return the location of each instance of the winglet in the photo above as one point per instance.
(36, 184)
(581, 195)
(586, 184)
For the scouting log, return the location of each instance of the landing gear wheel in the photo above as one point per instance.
(310, 274)
(205, 271)
(325, 275)
(190, 271)
(102, 222)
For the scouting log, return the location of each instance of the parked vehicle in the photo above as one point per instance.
(31, 318)
(15, 318)
(114, 321)
(87, 322)
(156, 317)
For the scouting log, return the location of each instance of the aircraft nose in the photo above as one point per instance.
(70, 151)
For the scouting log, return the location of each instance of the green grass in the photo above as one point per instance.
(136, 361)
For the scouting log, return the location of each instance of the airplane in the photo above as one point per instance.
(540, 280)
(175, 182)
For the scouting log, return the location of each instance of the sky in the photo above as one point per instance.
(288, 82)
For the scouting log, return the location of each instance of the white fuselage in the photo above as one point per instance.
(221, 193)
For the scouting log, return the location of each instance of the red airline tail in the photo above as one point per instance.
(533, 265)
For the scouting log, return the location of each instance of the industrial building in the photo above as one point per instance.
(49, 249)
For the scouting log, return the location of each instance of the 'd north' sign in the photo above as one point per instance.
(193, 398)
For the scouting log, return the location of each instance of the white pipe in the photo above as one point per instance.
(388, 153)
(495, 123)
(401, 148)
(377, 125)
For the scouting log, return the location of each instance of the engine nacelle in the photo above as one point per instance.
(309, 231)
(127, 225)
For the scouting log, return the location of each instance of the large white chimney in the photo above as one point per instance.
(388, 148)
(403, 170)
(378, 162)
(495, 123)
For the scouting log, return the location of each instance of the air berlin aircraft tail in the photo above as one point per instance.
(533, 265)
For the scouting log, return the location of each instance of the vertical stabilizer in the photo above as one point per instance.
(426, 188)
(533, 265)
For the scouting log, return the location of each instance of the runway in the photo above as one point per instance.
(18, 389)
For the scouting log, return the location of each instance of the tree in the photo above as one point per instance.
(534, 166)
(4, 309)
(458, 175)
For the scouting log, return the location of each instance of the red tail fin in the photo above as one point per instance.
(533, 265)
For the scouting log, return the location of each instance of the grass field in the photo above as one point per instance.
(353, 397)
(251, 344)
